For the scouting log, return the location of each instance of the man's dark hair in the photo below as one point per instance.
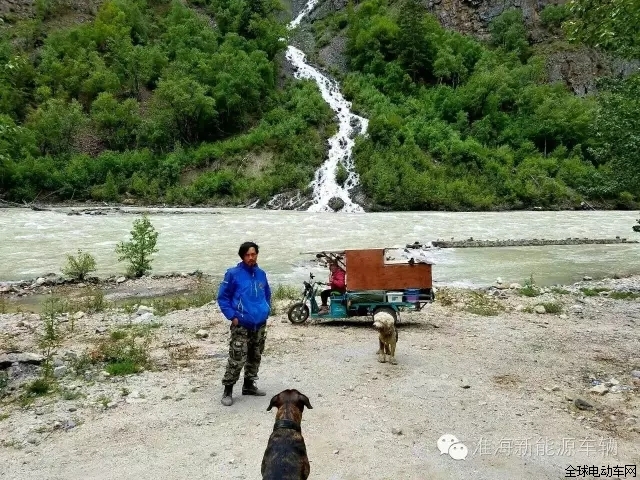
(244, 248)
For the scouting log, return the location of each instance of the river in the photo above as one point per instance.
(35, 243)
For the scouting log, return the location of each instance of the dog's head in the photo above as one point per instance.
(383, 322)
(290, 404)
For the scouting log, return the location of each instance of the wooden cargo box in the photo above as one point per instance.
(368, 270)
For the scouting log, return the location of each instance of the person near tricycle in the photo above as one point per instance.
(336, 284)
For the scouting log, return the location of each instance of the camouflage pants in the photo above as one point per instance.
(245, 350)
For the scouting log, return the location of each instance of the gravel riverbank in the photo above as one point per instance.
(528, 393)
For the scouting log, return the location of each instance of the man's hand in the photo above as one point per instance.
(234, 322)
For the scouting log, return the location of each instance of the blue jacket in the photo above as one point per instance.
(245, 294)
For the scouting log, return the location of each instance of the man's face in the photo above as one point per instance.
(251, 257)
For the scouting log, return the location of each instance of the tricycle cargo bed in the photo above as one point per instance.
(367, 270)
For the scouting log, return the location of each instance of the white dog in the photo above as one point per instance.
(384, 323)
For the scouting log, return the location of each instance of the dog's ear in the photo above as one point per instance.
(275, 402)
(303, 401)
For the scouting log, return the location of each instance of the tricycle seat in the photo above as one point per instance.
(338, 297)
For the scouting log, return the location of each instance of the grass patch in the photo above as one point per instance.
(39, 387)
(560, 291)
(285, 292)
(593, 292)
(552, 307)
(480, 304)
(125, 351)
(118, 335)
(445, 297)
(124, 367)
(4, 416)
(204, 293)
(529, 291)
(71, 395)
(92, 302)
(624, 295)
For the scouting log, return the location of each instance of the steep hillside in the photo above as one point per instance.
(511, 117)
(473, 104)
(153, 101)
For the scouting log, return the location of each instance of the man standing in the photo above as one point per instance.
(245, 298)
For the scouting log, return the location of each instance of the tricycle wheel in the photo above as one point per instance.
(298, 313)
(388, 310)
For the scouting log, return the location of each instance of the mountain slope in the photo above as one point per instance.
(154, 101)
(461, 122)
(191, 103)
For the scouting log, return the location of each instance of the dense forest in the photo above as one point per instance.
(185, 104)
(178, 109)
(455, 124)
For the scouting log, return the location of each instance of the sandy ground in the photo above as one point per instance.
(369, 420)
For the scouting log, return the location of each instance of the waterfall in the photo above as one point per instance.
(325, 186)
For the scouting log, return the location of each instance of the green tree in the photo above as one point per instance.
(415, 47)
(117, 122)
(139, 249)
(55, 124)
(617, 131)
(508, 31)
(608, 24)
(110, 189)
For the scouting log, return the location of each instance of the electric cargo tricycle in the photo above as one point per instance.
(375, 282)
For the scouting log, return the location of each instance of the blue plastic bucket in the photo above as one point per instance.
(412, 295)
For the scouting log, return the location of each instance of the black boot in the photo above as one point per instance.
(227, 399)
(249, 388)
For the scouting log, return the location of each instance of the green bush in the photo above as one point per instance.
(552, 307)
(125, 352)
(530, 289)
(79, 266)
(554, 15)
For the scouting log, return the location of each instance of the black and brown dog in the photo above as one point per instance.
(285, 457)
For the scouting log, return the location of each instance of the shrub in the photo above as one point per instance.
(481, 304)
(138, 251)
(79, 266)
(530, 288)
(124, 352)
(552, 307)
(39, 387)
(554, 15)
(4, 383)
(593, 292)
